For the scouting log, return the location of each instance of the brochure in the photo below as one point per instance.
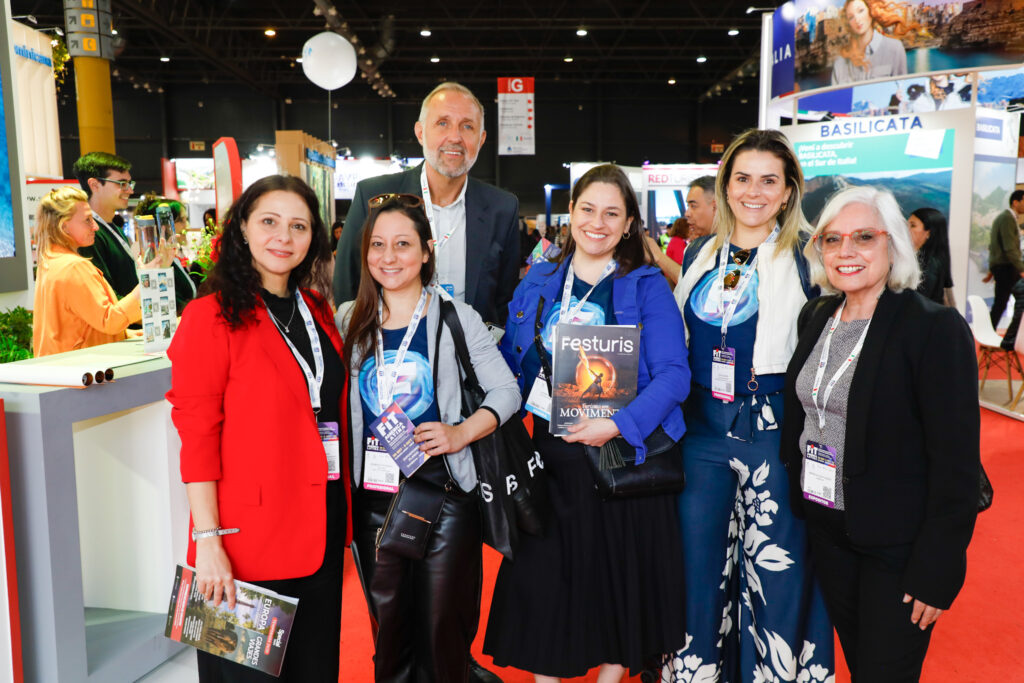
(254, 634)
(393, 430)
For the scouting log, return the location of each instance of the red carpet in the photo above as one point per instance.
(980, 640)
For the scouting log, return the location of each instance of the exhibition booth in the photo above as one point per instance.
(93, 518)
(939, 127)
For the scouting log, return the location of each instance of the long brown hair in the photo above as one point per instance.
(363, 323)
(631, 252)
(884, 14)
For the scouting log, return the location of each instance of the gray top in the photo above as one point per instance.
(834, 434)
(491, 370)
(885, 57)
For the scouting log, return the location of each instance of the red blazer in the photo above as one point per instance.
(242, 409)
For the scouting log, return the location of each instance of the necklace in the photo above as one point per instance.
(287, 325)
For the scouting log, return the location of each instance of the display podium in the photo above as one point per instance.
(100, 518)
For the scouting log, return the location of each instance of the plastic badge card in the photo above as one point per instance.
(393, 430)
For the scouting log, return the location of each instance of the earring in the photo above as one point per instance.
(626, 234)
(784, 205)
(245, 240)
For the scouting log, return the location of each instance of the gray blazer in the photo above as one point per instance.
(491, 370)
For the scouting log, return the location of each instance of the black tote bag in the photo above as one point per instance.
(512, 486)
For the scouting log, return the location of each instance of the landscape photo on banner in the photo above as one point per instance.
(902, 37)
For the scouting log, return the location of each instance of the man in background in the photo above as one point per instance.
(1005, 264)
(107, 181)
(700, 206)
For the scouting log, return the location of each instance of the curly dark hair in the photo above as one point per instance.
(235, 280)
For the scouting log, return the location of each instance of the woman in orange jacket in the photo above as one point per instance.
(74, 306)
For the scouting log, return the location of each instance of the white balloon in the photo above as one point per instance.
(329, 60)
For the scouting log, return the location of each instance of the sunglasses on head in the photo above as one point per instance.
(410, 200)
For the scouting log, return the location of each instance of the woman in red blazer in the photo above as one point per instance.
(259, 399)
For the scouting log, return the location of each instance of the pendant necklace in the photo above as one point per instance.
(287, 325)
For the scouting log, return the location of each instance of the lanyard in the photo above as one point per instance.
(737, 294)
(564, 314)
(820, 374)
(387, 376)
(313, 381)
(115, 232)
(428, 208)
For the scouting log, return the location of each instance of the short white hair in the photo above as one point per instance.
(904, 271)
(451, 86)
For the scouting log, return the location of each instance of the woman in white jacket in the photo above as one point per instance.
(753, 611)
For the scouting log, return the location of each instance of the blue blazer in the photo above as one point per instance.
(641, 297)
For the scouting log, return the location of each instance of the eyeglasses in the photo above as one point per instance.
(123, 184)
(410, 200)
(861, 240)
(732, 278)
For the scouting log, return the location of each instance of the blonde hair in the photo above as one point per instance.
(904, 271)
(791, 217)
(55, 210)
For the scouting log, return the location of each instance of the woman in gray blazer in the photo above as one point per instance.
(426, 610)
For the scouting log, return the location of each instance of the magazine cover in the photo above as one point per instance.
(254, 634)
(594, 372)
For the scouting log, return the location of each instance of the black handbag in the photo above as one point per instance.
(985, 491)
(510, 473)
(616, 474)
(410, 518)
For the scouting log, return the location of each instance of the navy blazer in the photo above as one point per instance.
(640, 297)
(912, 456)
(492, 238)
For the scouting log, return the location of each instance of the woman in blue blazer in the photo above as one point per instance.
(601, 586)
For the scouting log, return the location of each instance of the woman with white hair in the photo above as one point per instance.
(881, 437)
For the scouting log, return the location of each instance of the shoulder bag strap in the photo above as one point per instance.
(437, 348)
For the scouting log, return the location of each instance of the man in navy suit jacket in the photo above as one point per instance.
(475, 225)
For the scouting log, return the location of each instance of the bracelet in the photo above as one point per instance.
(207, 533)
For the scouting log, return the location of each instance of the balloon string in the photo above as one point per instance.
(329, 136)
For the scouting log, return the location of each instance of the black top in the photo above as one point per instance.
(334, 373)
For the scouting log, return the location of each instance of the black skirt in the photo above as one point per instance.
(603, 585)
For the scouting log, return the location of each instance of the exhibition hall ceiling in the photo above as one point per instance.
(692, 46)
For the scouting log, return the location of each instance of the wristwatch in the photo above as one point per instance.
(207, 533)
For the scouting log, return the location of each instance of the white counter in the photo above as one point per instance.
(100, 519)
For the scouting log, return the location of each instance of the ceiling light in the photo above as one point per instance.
(425, 31)
(270, 33)
(165, 59)
(567, 59)
(113, 31)
(671, 81)
(734, 32)
(581, 31)
(299, 60)
(701, 59)
(435, 59)
(752, 9)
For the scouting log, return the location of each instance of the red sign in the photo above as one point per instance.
(515, 85)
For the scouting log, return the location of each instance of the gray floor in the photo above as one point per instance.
(179, 669)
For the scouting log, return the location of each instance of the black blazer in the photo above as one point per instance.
(492, 241)
(912, 455)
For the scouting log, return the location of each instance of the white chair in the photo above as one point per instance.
(1018, 347)
(990, 353)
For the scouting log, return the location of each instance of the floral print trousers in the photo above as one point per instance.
(754, 612)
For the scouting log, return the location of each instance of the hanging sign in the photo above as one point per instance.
(516, 116)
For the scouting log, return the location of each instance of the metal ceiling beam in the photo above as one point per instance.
(158, 24)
